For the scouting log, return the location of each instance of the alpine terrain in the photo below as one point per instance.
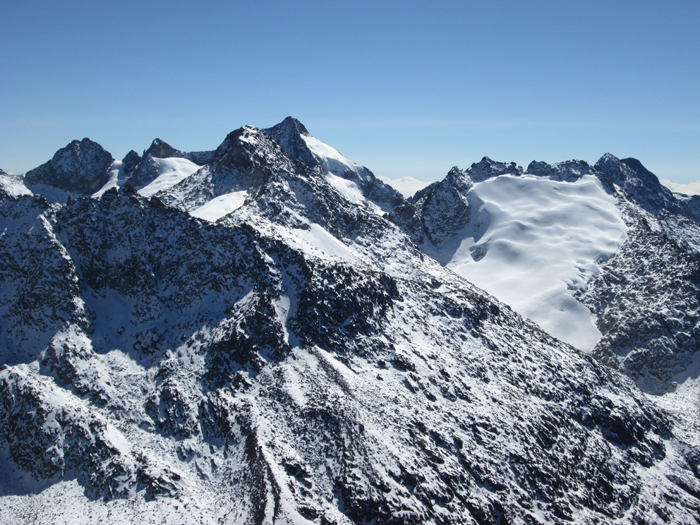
(268, 333)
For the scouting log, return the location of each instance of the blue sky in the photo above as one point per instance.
(405, 88)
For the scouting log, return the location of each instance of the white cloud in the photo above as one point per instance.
(406, 186)
(692, 188)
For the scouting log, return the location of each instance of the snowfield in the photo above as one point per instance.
(170, 172)
(531, 241)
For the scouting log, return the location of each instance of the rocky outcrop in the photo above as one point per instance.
(81, 167)
(130, 162)
(568, 171)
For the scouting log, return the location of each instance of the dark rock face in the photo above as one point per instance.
(245, 161)
(145, 172)
(131, 160)
(288, 135)
(487, 168)
(39, 291)
(647, 301)
(642, 186)
(162, 150)
(200, 157)
(437, 212)
(81, 167)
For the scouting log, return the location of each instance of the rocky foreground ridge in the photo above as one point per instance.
(294, 357)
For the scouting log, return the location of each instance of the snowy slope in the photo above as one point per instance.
(532, 241)
(170, 172)
(220, 206)
(12, 185)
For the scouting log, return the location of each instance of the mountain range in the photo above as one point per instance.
(268, 333)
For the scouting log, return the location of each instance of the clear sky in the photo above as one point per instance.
(406, 88)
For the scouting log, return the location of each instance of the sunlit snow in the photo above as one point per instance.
(171, 171)
(12, 184)
(532, 241)
(347, 188)
(331, 158)
(220, 206)
(116, 177)
(335, 166)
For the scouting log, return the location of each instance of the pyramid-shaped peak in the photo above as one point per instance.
(162, 150)
(289, 134)
(627, 171)
(458, 179)
(606, 161)
(291, 125)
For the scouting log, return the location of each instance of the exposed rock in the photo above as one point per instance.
(81, 167)
(131, 161)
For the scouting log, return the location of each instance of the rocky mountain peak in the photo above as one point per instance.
(288, 134)
(162, 150)
(291, 126)
(488, 168)
(438, 211)
(244, 161)
(568, 171)
(637, 182)
(130, 161)
(459, 179)
(80, 167)
(241, 146)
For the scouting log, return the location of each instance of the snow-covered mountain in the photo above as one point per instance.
(243, 336)
(603, 257)
(528, 239)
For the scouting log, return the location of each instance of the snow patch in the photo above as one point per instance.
(331, 159)
(220, 206)
(171, 171)
(347, 189)
(12, 184)
(317, 242)
(116, 178)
